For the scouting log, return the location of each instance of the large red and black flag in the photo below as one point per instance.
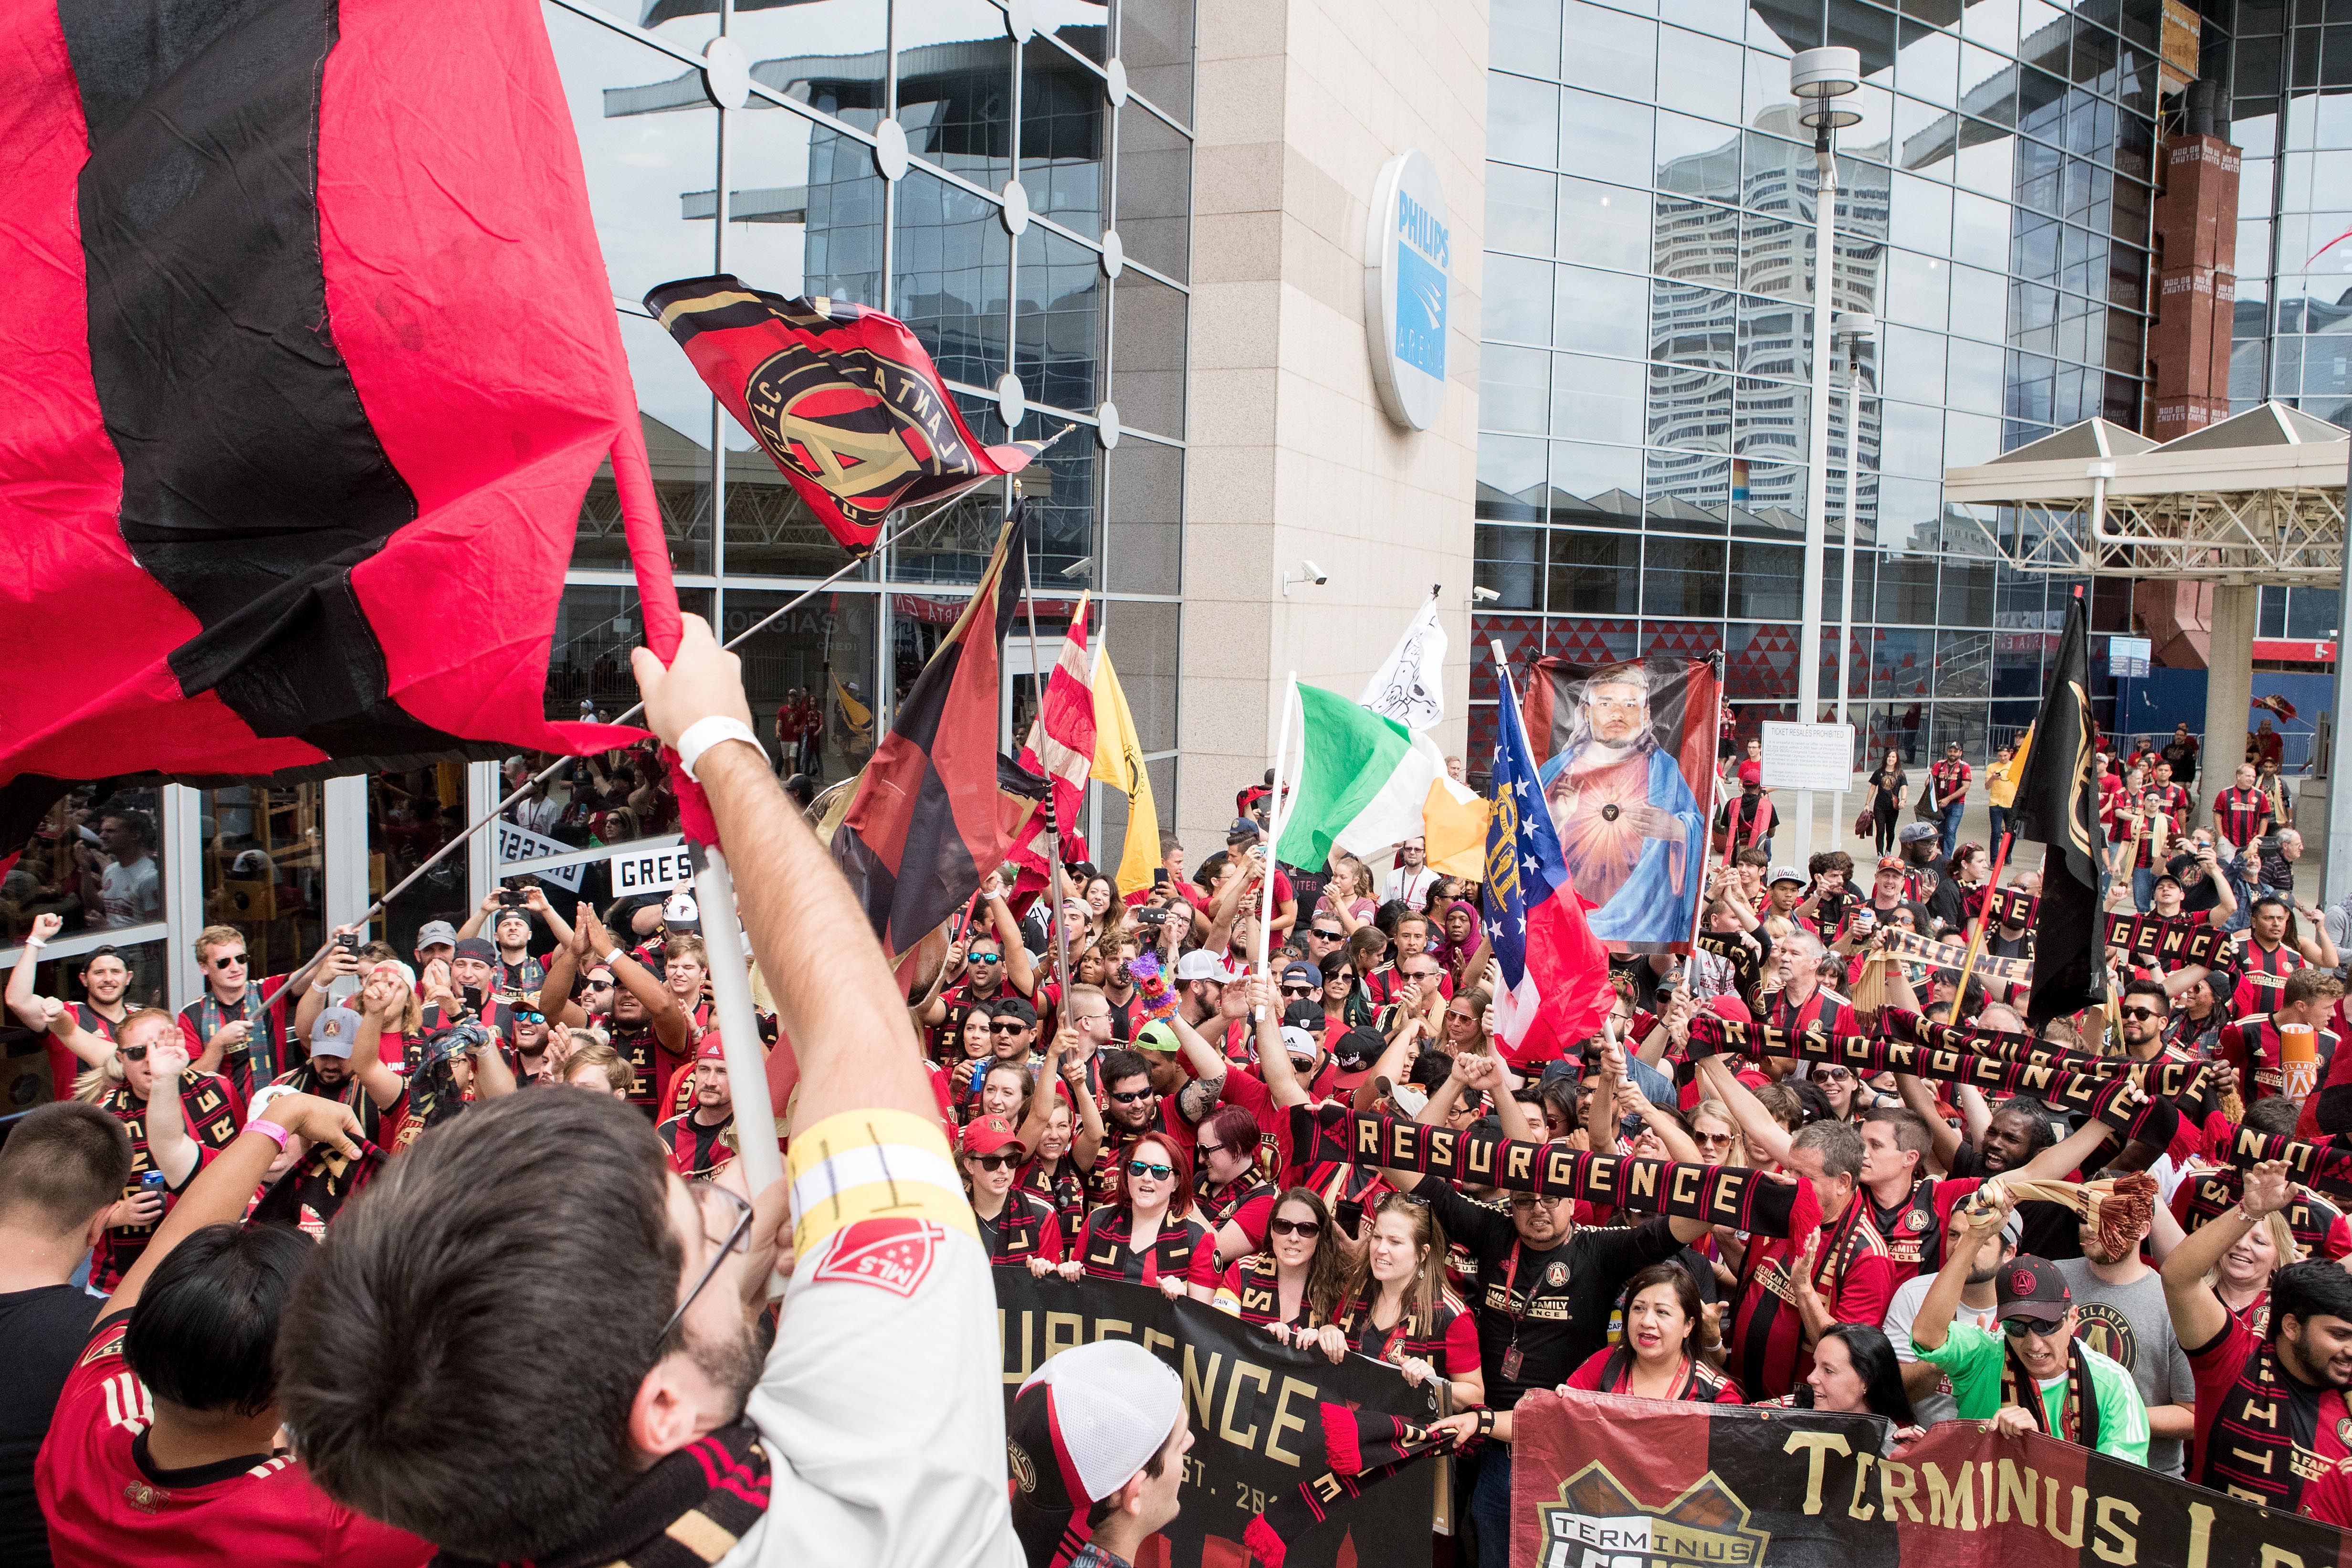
(842, 399)
(939, 804)
(2056, 806)
(312, 358)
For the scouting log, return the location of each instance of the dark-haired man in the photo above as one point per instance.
(2270, 1413)
(164, 1448)
(105, 977)
(675, 1422)
(60, 1172)
(696, 1139)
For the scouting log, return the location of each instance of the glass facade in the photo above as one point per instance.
(1648, 337)
(2290, 108)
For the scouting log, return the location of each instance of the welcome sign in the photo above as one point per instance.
(1408, 281)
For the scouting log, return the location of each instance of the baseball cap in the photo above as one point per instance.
(1784, 874)
(681, 911)
(710, 1050)
(436, 933)
(989, 1133)
(1156, 1035)
(1012, 1007)
(1303, 970)
(1086, 1421)
(1297, 1041)
(477, 947)
(506, 914)
(1304, 1014)
(1891, 863)
(2033, 1289)
(1916, 833)
(1354, 1053)
(334, 1031)
(1201, 964)
(1243, 828)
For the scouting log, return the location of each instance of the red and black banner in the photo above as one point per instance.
(1642, 1483)
(939, 804)
(842, 399)
(1271, 1474)
(311, 359)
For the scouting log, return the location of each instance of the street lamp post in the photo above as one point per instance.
(1853, 328)
(1819, 76)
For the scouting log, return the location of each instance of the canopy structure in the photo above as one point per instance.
(2258, 498)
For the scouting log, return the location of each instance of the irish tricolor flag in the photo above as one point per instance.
(1362, 782)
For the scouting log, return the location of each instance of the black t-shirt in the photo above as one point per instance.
(1562, 1296)
(2182, 755)
(44, 1330)
(2051, 1230)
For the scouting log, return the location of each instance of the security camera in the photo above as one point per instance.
(1316, 574)
(1484, 595)
(1078, 568)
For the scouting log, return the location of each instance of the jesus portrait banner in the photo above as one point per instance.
(1626, 753)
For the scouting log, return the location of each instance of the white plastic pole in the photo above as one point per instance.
(739, 1030)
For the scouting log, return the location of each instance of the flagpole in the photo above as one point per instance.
(1276, 818)
(1715, 783)
(794, 603)
(1977, 940)
(1054, 879)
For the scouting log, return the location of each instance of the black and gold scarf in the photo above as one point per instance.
(687, 1511)
(2078, 1422)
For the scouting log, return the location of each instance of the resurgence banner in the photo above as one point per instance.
(1633, 1483)
(1256, 1410)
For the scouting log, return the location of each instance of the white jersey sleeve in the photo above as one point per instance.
(882, 1405)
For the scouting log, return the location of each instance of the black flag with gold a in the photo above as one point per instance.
(2057, 806)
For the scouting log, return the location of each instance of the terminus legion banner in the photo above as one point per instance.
(1605, 1481)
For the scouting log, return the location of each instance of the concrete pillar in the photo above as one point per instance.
(2229, 685)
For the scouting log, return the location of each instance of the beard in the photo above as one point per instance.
(732, 1362)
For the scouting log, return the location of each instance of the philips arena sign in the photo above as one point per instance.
(1408, 277)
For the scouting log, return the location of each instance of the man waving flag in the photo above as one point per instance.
(1555, 989)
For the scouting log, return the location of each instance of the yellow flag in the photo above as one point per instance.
(1454, 830)
(2024, 749)
(854, 714)
(1118, 763)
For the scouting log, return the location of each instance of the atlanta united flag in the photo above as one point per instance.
(1555, 989)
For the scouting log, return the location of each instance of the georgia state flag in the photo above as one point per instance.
(1555, 989)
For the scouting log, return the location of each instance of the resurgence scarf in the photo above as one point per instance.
(687, 1511)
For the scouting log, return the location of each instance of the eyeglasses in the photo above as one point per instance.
(1012, 1028)
(1833, 1074)
(1308, 1228)
(736, 1236)
(1131, 1096)
(1145, 1168)
(1528, 1200)
(2141, 1013)
(1205, 1150)
(1458, 1012)
(1712, 1139)
(995, 1162)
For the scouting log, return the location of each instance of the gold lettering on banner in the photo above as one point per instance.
(1520, 1158)
(1817, 1446)
(1441, 1148)
(1200, 1393)
(1951, 1504)
(1481, 1162)
(2266, 1413)
(2126, 1549)
(2016, 1486)
(2278, 1557)
(1898, 1482)
(2201, 1534)
(1683, 1191)
(1015, 1375)
(1406, 1140)
(1856, 1508)
(1559, 1167)
(1064, 1332)
(2072, 1536)
(1154, 1339)
(1291, 1386)
(1368, 1141)
(1242, 1372)
(1645, 1183)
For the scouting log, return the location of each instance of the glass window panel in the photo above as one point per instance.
(1689, 408)
(1766, 583)
(1522, 120)
(2036, 176)
(952, 277)
(1703, 75)
(1155, 44)
(1974, 378)
(1519, 209)
(1605, 226)
(1865, 579)
(1698, 158)
(955, 89)
(1920, 215)
(1925, 139)
(2041, 105)
(1690, 492)
(1526, 34)
(1901, 662)
(1682, 577)
(1510, 562)
(1064, 124)
(1724, 18)
(821, 653)
(805, 210)
(1987, 160)
(648, 144)
(956, 548)
(1969, 440)
(1928, 68)
(1142, 642)
(1155, 190)
(1913, 365)
(1912, 441)
(1060, 488)
(1980, 303)
(1513, 389)
(1596, 399)
(1919, 290)
(1768, 500)
(1909, 512)
(1511, 479)
(1147, 362)
(1759, 663)
(588, 661)
(1594, 574)
(1770, 419)
(264, 873)
(1058, 334)
(1612, 52)
(1772, 336)
(1601, 133)
(1143, 515)
(1774, 258)
(1515, 302)
(1596, 485)
(1602, 312)
(95, 860)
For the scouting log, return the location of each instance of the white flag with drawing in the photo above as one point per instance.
(1411, 687)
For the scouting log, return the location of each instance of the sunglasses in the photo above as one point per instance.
(1146, 1168)
(995, 1162)
(530, 1017)
(1833, 1075)
(1205, 1150)
(1309, 1229)
(1298, 991)
(1712, 1139)
(2018, 1328)
(1012, 1028)
(131, 1053)
(1457, 1013)
(1132, 1095)
(229, 961)
(1326, 935)
(2141, 1013)
(986, 958)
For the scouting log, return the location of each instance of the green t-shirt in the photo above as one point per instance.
(1974, 1360)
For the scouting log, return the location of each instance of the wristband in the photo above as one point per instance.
(1485, 1420)
(31, 941)
(614, 957)
(268, 1128)
(705, 733)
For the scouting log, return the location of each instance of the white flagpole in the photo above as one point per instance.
(1277, 819)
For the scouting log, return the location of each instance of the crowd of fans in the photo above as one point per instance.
(1100, 1085)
